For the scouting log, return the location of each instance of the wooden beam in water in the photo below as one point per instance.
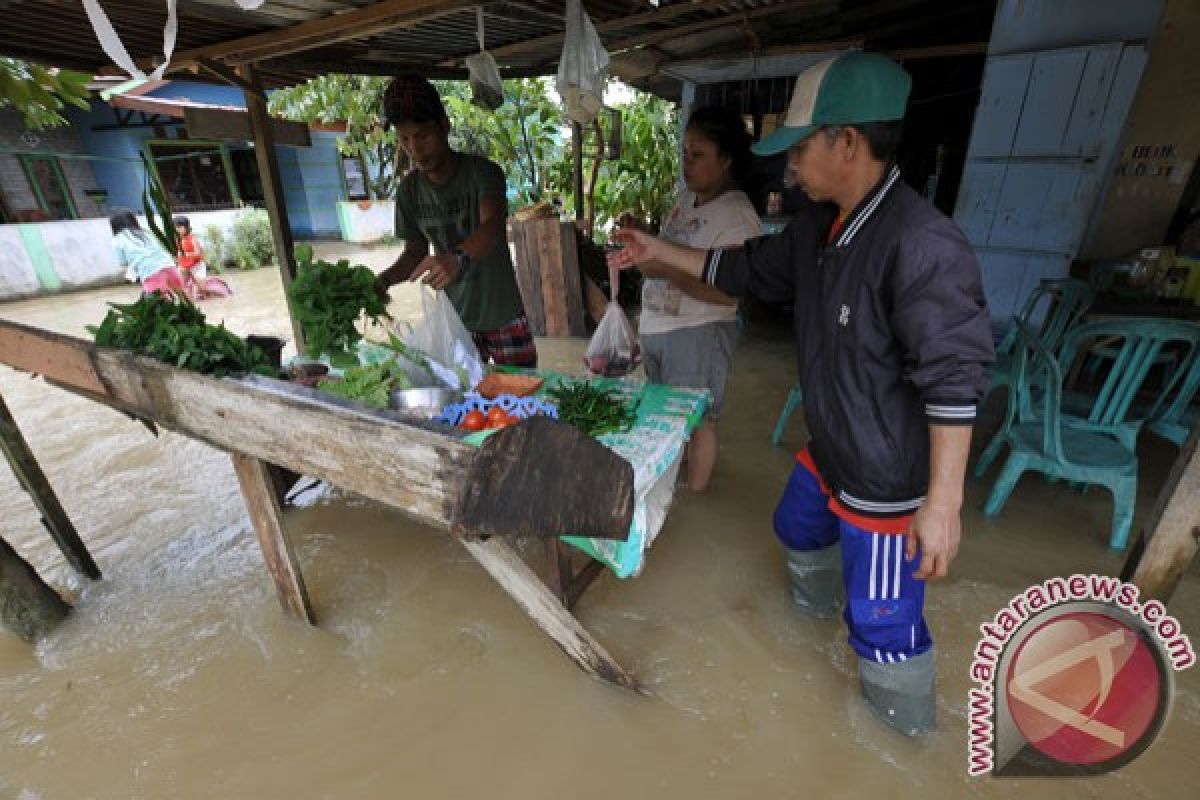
(33, 481)
(1174, 529)
(258, 490)
(28, 607)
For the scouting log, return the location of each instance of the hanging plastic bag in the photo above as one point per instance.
(439, 348)
(487, 89)
(583, 67)
(614, 350)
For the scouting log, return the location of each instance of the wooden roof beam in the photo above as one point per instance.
(365, 21)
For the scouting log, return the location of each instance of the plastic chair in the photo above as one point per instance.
(795, 399)
(1098, 448)
(1067, 300)
(1171, 416)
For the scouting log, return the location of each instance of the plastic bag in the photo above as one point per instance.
(614, 350)
(583, 68)
(445, 354)
(487, 89)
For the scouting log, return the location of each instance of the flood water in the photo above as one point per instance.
(179, 676)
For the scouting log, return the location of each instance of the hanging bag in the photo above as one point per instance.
(583, 67)
(613, 350)
(487, 89)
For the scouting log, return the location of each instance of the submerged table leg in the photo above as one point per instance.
(259, 493)
(540, 603)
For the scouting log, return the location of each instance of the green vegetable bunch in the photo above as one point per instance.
(593, 410)
(171, 329)
(328, 300)
(368, 385)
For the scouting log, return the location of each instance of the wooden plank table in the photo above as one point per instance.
(419, 469)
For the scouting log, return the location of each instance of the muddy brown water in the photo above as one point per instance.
(178, 675)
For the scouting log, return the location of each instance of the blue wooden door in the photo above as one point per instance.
(1045, 133)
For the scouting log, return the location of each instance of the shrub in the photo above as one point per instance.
(215, 247)
(253, 245)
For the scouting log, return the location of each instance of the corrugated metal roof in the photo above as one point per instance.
(524, 35)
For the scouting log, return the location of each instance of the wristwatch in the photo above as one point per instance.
(464, 260)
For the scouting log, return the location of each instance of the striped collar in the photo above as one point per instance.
(858, 218)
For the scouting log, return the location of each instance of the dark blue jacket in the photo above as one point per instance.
(892, 335)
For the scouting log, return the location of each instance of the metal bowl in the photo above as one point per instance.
(423, 402)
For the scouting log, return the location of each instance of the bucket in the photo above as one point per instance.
(271, 345)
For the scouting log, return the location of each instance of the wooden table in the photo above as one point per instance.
(425, 471)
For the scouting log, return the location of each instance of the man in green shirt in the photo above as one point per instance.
(456, 203)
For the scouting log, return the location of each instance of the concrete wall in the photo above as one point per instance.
(16, 139)
(45, 257)
(1160, 144)
(119, 170)
(376, 221)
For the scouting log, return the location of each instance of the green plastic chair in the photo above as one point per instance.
(795, 399)
(1065, 300)
(1098, 448)
(1172, 417)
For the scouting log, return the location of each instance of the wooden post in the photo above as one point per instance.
(28, 607)
(268, 172)
(1174, 529)
(259, 493)
(540, 603)
(577, 173)
(33, 480)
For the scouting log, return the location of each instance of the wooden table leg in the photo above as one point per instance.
(33, 480)
(263, 505)
(533, 596)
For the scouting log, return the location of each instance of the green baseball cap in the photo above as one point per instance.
(852, 87)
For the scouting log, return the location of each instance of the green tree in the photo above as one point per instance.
(645, 178)
(356, 100)
(523, 135)
(39, 94)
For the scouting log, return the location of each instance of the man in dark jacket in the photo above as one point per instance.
(893, 341)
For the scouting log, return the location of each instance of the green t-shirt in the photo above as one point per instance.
(486, 297)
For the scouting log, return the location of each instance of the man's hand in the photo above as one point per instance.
(935, 532)
(437, 271)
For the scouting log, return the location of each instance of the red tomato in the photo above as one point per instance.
(474, 421)
(496, 417)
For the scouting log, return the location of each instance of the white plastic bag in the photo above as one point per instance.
(446, 344)
(583, 68)
(613, 350)
(487, 89)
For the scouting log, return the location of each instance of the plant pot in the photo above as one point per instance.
(308, 374)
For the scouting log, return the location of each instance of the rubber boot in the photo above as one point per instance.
(901, 694)
(816, 580)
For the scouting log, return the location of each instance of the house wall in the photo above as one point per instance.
(1059, 81)
(46, 257)
(1160, 144)
(15, 139)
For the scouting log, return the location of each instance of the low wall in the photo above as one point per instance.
(368, 221)
(45, 257)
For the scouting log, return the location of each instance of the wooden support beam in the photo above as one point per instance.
(223, 125)
(258, 490)
(358, 23)
(227, 74)
(28, 607)
(1174, 529)
(540, 603)
(268, 172)
(33, 481)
